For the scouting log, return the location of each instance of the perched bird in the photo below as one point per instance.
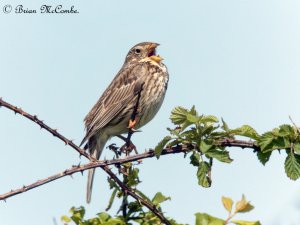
(142, 72)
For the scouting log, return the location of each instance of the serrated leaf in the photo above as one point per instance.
(209, 119)
(103, 217)
(114, 221)
(195, 159)
(65, 219)
(265, 141)
(192, 118)
(205, 219)
(292, 166)
(222, 156)
(203, 174)
(204, 146)
(281, 143)
(159, 198)
(269, 142)
(111, 200)
(160, 146)
(286, 130)
(207, 130)
(263, 157)
(242, 222)
(243, 206)
(178, 115)
(225, 126)
(78, 214)
(297, 148)
(246, 131)
(227, 203)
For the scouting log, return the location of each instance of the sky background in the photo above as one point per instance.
(236, 59)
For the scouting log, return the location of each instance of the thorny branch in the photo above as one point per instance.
(105, 163)
(55, 133)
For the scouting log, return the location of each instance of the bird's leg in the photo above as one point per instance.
(131, 124)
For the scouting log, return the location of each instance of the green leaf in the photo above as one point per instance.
(227, 202)
(292, 166)
(263, 157)
(205, 219)
(178, 115)
(225, 126)
(114, 221)
(159, 198)
(246, 131)
(297, 148)
(242, 222)
(209, 119)
(65, 219)
(192, 118)
(243, 206)
(111, 200)
(78, 214)
(266, 140)
(195, 159)
(286, 130)
(269, 142)
(142, 195)
(222, 156)
(204, 146)
(203, 174)
(103, 217)
(160, 146)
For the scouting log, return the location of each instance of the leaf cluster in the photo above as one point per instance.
(203, 135)
(241, 206)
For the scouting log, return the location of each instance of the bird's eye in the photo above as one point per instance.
(137, 51)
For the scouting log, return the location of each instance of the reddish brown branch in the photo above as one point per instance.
(105, 163)
(130, 192)
(55, 133)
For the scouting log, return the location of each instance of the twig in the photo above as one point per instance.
(55, 133)
(82, 152)
(298, 129)
(129, 191)
(103, 163)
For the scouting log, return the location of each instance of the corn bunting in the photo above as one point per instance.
(141, 72)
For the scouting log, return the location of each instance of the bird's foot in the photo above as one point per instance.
(127, 148)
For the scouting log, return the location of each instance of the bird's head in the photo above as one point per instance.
(143, 51)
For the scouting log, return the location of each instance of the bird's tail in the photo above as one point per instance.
(96, 154)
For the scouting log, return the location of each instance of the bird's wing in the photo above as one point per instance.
(120, 92)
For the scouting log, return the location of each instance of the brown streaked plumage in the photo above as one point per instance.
(111, 114)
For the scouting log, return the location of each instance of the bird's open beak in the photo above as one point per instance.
(152, 53)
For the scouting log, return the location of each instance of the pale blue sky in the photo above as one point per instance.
(236, 59)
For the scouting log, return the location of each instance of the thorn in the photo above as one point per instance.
(71, 176)
(24, 186)
(81, 172)
(4, 200)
